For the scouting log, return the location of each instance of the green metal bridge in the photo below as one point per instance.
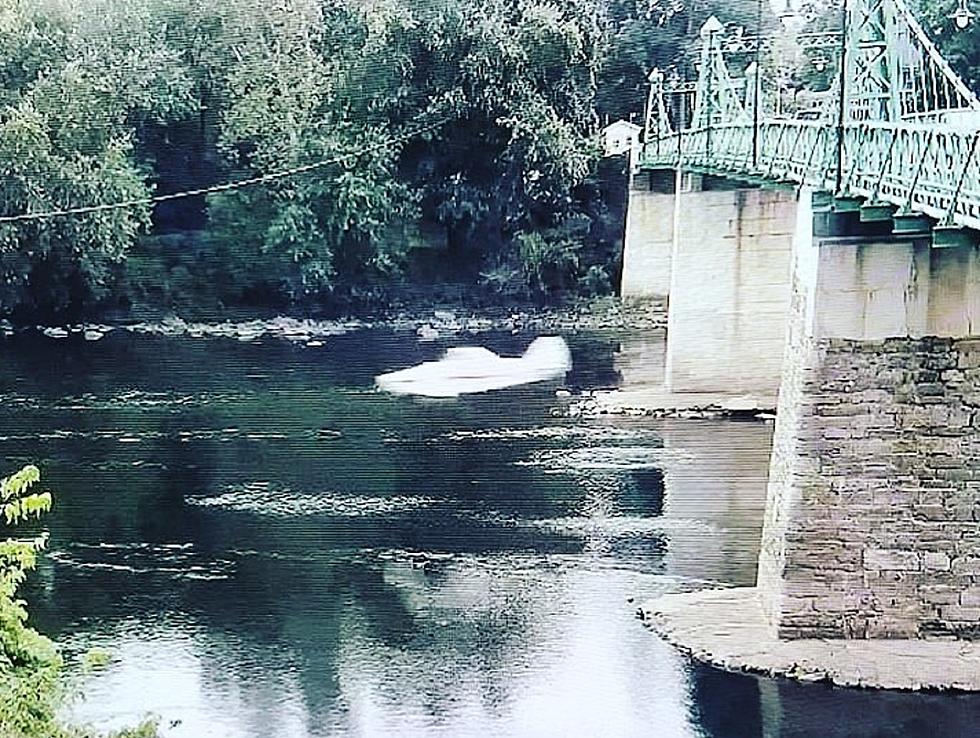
(894, 136)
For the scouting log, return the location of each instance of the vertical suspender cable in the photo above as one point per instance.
(755, 84)
(842, 76)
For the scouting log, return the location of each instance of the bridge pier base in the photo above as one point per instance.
(871, 527)
(729, 292)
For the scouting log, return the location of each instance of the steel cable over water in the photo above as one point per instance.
(226, 186)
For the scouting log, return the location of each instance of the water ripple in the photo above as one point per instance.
(263, 498)
(618, 458)
(604, 434)
(176, 560)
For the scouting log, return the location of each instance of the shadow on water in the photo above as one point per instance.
(271, 548)
(741, 705)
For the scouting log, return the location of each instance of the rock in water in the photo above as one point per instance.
(427, 333)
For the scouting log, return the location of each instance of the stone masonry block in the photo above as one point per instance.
(961, 614)
(890, 560)
(967, 565)
(905, 626)
(937, 561)
(969, 354)
(940, 594)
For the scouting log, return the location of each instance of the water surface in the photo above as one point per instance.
(269, 547)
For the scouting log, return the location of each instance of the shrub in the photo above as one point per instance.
(31, 684)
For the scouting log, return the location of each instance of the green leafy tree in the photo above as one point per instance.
(29, 663)
(32, 687)
(32, 38)
(111, 100)
(518, 78)
(288, 108)
(64, 142)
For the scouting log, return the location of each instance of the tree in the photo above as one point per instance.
(32, 688)
(64, 142)
(289, 100)
(523, 135)
(29, 663)
(30, 41)
(960, 47)
(112, 100)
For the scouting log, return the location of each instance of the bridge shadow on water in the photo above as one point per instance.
(744, 705)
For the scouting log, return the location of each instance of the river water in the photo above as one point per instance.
(269, 547)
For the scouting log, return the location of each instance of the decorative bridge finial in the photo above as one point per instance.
(712, 25)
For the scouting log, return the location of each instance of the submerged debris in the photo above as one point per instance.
(305, 331)
(590, 406)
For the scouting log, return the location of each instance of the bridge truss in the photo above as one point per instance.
(897, 126)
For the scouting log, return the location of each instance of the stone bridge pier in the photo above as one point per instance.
(872, 525)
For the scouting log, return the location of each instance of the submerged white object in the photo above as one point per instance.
(469, 369)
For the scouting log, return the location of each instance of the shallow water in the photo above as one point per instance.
(271, 548)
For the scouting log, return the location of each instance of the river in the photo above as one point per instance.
(269, 547)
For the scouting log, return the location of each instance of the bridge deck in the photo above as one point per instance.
(916, 167)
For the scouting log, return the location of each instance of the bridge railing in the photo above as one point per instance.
(919, 168)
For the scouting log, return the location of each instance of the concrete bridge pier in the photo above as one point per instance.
(729, 288)
(649, 237)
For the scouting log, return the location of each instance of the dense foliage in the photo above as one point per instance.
(119, 100)
(31, 685)
(29, 663)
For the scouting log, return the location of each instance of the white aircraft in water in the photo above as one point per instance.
(470, 369)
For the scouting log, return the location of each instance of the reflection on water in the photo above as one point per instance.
(641, 360)
(271, 548)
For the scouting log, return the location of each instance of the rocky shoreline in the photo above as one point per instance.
(604, 314)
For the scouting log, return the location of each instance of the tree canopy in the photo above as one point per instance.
(121, 100)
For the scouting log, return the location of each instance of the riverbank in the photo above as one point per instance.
(431, 323)
(726, 628)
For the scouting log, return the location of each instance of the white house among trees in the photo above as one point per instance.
(619, 137)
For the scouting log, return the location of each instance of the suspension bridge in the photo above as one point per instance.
(828, 256)
(897, 129)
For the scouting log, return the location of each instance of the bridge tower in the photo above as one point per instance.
(871, 69)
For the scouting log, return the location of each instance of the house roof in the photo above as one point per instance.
(623, 124)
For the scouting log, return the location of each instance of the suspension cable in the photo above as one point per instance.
(226, 186)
